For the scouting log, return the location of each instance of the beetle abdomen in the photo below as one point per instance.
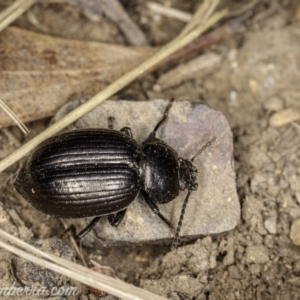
(81, 173)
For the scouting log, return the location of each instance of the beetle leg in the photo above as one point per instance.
(127, 131)
(111, 122)
(71, 229)
(87, 229)
(155, 209)
(164, 118)
(115, 220)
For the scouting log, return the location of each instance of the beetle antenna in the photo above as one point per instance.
(177, 237)
(166, 113)
(203, 148)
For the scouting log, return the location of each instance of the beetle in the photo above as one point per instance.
(99, 172)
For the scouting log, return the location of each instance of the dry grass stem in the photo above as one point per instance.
(11, 137)
(74, 271)
(74, 244)
(169, 12)
(14, 11)
(114, 10)
(244, 9)
(14, 117)
(202, 14)
(111, 89)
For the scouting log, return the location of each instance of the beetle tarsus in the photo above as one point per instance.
(87, 229)
(115, 220)
(70, 229)
(127, 131)
(111, 122)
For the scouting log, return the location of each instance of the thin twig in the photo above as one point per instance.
(297, 126)
(14, 117)
(215, 36)
(169, 12)
(111, 89)
(115, 11)
(201, 15)
(14, 11)
(74, 244)
(245, 8)
(274, 7)
(11, 137)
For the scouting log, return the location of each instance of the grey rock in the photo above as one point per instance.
(214, 208)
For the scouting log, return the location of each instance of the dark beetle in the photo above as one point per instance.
(97, 172)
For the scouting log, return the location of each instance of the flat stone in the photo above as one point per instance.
(213, 209)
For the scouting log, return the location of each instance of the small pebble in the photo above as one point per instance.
(293, 181)
(297, 194)
(274, 104)
(297, 12)
(289, 267)
(234, 272)
(256, 238)
(232, 54)
(296, 267)
(270, 225)
(254, 87)
(284, 117)
(157, 88)
(255, 269)
(269, 241)
(295, 232)
(294, 281)
(258, 254)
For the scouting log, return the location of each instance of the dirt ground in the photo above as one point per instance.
(256, 79)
